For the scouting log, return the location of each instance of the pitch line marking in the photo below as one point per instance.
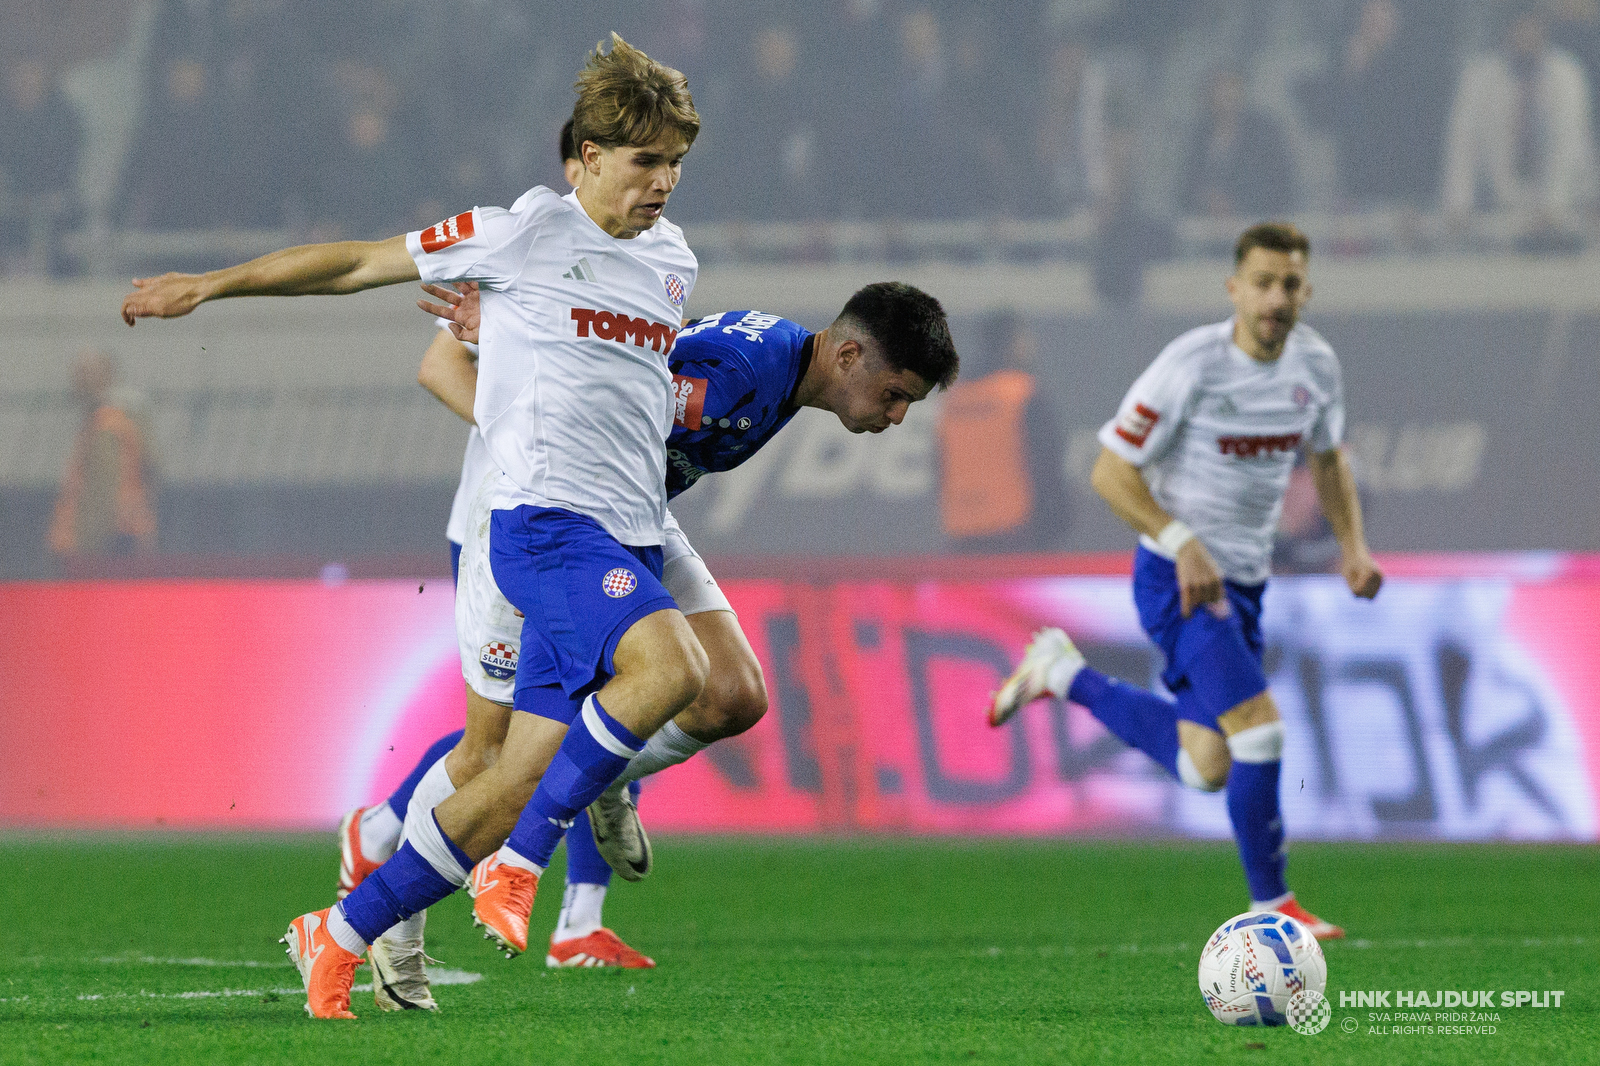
(151, 960)
(436, 976)
(1359, 943)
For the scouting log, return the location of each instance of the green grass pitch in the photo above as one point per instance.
(853, 951)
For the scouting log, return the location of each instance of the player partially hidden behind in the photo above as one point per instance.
(740, 376)
(1197, 461)
(572, 401)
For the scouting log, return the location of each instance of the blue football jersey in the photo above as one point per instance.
(734, 377)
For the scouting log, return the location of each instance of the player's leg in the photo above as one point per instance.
(1052, 665)
(734, 699)
(581, 938)
(597, 611)
(369, 835)
(659, 669)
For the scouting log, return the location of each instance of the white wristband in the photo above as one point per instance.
(1173, 536)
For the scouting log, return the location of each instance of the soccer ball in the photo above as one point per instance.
(1255, 963)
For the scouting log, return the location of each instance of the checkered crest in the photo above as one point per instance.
(618, 583)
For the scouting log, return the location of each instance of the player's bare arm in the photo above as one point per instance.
(1123, 488)
(460, 308)
(306, 270)
(450, 372)
(1336, 491)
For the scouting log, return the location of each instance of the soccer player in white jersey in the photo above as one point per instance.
(888, 348)
(1197, 461)
(574, 404)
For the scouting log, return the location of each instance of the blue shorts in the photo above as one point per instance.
(1213, 664)
(455, 563)
(578, 589)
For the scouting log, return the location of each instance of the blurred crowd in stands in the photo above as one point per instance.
(363, 120)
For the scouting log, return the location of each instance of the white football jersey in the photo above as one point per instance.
(574, 396)
(474, 465)
(1215, 434)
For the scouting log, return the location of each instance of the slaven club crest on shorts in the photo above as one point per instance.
(618, 583)
(499, 660)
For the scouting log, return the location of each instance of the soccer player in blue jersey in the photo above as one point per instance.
(739, 377)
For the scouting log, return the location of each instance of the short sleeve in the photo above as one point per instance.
(1327, 432)
(482, 245)
(1151, 413)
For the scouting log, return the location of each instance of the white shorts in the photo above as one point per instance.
(489, 629)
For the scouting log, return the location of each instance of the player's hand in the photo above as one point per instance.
(460, 307)
(1199, 580)
(169, 296)
(1362, 575)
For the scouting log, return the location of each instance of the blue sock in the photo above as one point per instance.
(585, 764)
(1139, 719)
(1258, 826)
(395, 891)
(401, 797)
(584, 864)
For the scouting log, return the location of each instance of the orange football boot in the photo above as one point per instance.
(600, 948)
(326, 969)
(502, 899)
(1320, 929)
(353, 866)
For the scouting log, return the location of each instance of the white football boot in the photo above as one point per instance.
(400, 974)
(619, 835)
(1050, 651)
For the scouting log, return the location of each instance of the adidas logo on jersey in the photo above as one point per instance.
(581, 271)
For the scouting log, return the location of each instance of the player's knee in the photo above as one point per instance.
(1208, 772)
(732, 701)
(680, 675)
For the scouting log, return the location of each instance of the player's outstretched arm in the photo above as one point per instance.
(306, 270)
(1336, 491)
(450, 372)
(1123, 487)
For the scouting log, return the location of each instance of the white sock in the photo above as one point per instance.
(434, 788)
(343, 934)
(1058, 679)
(508, 855)
(380, 832)
(668, 747)
(407, 928)
(1271, 904)
(422, 833)
(580, 911)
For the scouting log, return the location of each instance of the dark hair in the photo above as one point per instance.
(909, 328)
(569, 147)
(1274, 237)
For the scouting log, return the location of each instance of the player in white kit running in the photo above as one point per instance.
(574, 404)
(1197, 461)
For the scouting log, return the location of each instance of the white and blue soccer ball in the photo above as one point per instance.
(1255, 963)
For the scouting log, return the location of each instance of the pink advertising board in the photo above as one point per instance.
(1463, 704)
